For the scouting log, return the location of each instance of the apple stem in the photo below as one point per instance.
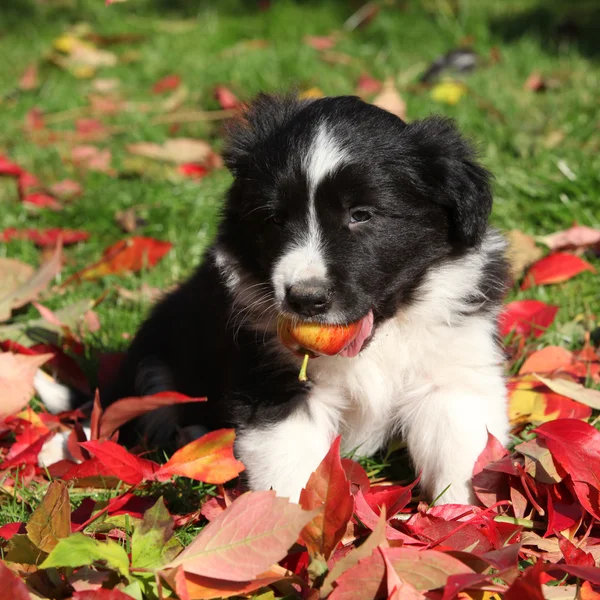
(302, 374)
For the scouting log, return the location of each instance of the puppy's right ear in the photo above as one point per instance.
(256, 123)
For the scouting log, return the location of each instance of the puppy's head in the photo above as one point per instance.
(338, 208)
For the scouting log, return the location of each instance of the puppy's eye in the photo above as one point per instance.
(359, 216)
(276, 220)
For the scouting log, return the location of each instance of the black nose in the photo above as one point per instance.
(309, 298)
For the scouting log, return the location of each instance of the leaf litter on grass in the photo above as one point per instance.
(350, 537)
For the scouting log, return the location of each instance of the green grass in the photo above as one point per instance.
(192, 39)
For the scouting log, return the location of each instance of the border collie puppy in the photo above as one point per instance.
(339, 212)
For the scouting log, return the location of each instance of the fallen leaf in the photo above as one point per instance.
(423, 569)
(312, 93)
(79, 550)
(12, 586)
(526, 318)
(586, 592)
(209, 459)
(51, 520)
(91, 158)
(327, 489)
(29, 80)
(389, 99)
(254, 533)
(522, 252)
(226, 99)
(575, 445)
(376, 539)
(152, 542)
(574, 390)
(193, 170)
(541, 465)
(102, 593)
(9, 168)
(320, 42)
(178, 150)
(196, 587)
(129, 255)
(117, 461)
(575, 237)
(396, 588)
(128, 220)
(30, 289)
(367, 85)
(448, 92)
(45, 237)
(166, 84)
(42, 200)
(66, 189)
(555, 268)
(546, 360)
(534, 82)
(124, 410)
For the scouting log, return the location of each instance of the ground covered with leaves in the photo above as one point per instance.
(110, 182)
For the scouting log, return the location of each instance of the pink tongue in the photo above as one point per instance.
(355, 346)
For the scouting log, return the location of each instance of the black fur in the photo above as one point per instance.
(429, 201)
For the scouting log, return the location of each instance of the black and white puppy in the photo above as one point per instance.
(339, 212)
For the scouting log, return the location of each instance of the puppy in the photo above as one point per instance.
(338, 212)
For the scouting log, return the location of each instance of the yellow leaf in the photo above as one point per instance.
(527, 406)
(83, 72)
(313, 92)
(448, 92)
(66, 43)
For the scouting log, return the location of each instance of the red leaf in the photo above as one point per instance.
(166, 84)
(226, 98)
(132, 255)
(423, 569)
(574, 555)
(356, 475)
(92, 158)
(9, 168)
(41, 200)
(209, 459)
(575, 445)
(45, 237)
(249, 537)
(320, 42)
(120, 463)
(29, 79)
(393, 497)
(29, 456)
(555, 268)
(34, 120)
(101, 594)
(526, 317)
(27, 184)
(12, 587)
(547, 360)
(124, 410)
(67, 189)
(368, 85)
(193, 170)
(63, 367)
(528, 585)
(492, 452)
(90, 468)
(396, 588)
(7, 531)
(328, 488)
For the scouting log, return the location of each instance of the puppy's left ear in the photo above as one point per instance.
(451, 176)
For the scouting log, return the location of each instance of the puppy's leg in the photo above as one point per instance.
(282, 455)
(446, 432)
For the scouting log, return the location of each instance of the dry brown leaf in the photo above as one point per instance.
(178, 150)
(29, 289)
(521, 252)
(578, 236)
(128, 220)
(389, 99)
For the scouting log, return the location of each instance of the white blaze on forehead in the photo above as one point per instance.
(304, 258)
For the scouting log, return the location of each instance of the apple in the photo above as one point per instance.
(316, 338)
